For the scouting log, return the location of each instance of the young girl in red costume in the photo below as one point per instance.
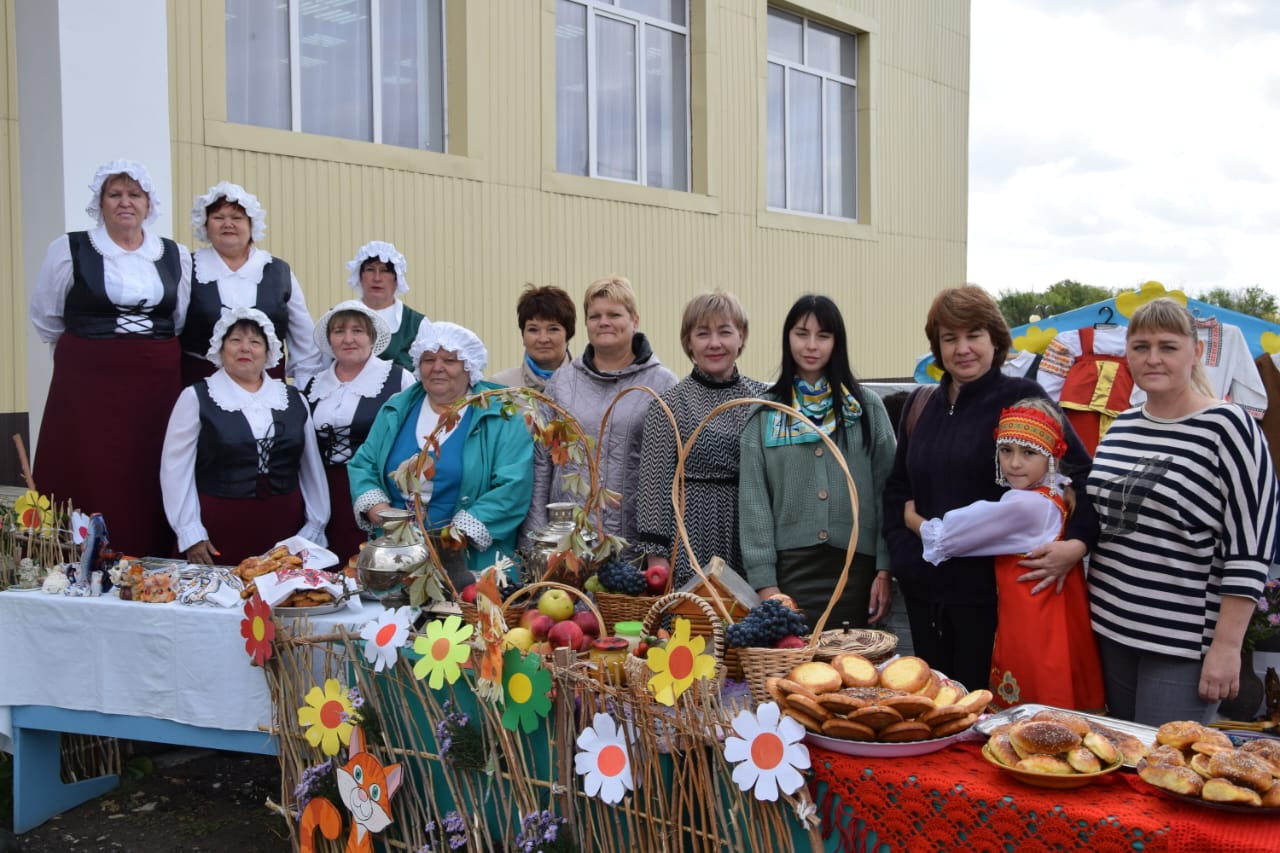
(1044, 648)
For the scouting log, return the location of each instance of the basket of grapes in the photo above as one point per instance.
(624, 593)
(769, 640)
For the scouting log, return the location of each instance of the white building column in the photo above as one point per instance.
(93, 86)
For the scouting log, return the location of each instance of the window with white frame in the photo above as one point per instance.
(622, 90)
(813, 115)
(372, 70)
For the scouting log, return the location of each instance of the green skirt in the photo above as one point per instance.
(809, 576)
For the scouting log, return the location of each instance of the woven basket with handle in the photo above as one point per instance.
(637, 668)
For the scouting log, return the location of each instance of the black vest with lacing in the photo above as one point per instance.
(335, 441)
(229, 458)
(89, 313)
(272, 299)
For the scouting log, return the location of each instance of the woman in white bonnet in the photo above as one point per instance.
(111, 301)
(241, 469)
(233, 272)
(377, 275)
(344, 401)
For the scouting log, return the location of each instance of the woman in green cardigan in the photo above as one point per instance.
(484, 469)
(795, 516)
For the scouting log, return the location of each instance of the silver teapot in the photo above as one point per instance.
(384, 565)
(546, 541)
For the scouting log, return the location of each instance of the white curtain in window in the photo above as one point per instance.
(842, 142)
(776, 144)
(412, 48)
(258, 63)
(571, 88)
(334, 48)
(615, 101)
(804, 142)
(666, 110)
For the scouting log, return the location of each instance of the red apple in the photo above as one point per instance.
(791, 641)
(655, 578)
(468, 593)
(542, 626)
(588, 622)
(565, 634)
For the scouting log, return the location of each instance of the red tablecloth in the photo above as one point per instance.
(954, 799)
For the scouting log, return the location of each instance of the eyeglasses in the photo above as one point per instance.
(430, 361)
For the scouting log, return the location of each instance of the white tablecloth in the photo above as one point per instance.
(167, 661)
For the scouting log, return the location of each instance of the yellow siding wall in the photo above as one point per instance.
(478, 223)
(13, 357)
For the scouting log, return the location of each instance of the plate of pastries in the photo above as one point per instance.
(1053, 749)
(900, 708)
(1132, 739)
(1200, 765)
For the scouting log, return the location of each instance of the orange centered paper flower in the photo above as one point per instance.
(603, 760)
(257, 629)
(32, 509)
(768, 752)
(327, 717)
(678, 664)
(443, 650)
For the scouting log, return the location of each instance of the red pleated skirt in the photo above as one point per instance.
(103, 431)
(1045, 650)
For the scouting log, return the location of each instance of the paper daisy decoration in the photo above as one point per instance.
(525, 685)
(32, 508)
(257, 629)
(677, 664)
(769, 750)
(384, 636)
(443, 650)
(327, 717)
(604, 759)
(79, 527)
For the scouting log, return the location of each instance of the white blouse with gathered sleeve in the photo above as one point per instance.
(131, 278)
(239, 288)
(336, 401)
(178, 461)
(1017, 523)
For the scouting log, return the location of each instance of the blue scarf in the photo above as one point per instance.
(817, 404)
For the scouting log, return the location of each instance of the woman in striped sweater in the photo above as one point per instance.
(1186, 499)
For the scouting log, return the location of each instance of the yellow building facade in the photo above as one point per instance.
(496, 209)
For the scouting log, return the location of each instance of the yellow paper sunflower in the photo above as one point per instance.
(32, 510)
(443, 650)
(327, 717)
(678, 664)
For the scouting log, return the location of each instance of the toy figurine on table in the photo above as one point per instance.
(94, 566)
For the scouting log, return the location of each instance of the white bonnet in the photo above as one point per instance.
(231, 192)
(231, 316)
(381, 331)
(433, 337)
(138, 172)
(385, 252)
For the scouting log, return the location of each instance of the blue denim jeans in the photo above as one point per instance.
(1152, 688)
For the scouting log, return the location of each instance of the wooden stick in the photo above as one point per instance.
(24, 463)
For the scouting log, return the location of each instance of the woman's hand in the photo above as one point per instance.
(652, 560)
(202, 552)
(911, 518)
(374, 513)
(881, 597)
(766, 591)
(1050, 563)
(1220, 672)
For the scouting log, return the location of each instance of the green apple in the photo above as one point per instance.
(557, 604)
(519, 638)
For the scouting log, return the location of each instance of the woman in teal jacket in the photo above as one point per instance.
(483, 478)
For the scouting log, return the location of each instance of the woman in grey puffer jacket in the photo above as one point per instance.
(617, 357)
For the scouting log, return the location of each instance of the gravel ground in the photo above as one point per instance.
(183, 800)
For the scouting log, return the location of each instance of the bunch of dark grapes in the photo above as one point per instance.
(621, 577)
(765, 625)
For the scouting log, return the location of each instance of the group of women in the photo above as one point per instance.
(1178, 509)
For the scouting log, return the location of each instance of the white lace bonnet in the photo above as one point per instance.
(234, 193)
(109, 170)
(381, 331)
(229, 318)
(433, 337)
(385, 252)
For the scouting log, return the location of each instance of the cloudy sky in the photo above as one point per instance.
(1116, 141)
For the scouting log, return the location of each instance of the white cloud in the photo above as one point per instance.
(1115, 141)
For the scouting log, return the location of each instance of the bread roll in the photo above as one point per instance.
(931, 687)
(876, 716)
(1002, 750)
(1100, 746)
(856, 671)
(817, 676)
(1042, 738)
(954, 726)
(810, 723)
(1241, 768)
(841, 703)
(1041, 763)
(1180, 733)
(911, 706)
(1164, 756)
(1266, 750)
(943, 714)
(787, 686)
(975, 702)
(803, 703)
(1271, 799)
(1222, 791)
(1179, 780)
(1200, 763)
(904, 732)
(773, 686)
(1082, 760)
(847, 729)
(1075, 722)
(907, 674)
